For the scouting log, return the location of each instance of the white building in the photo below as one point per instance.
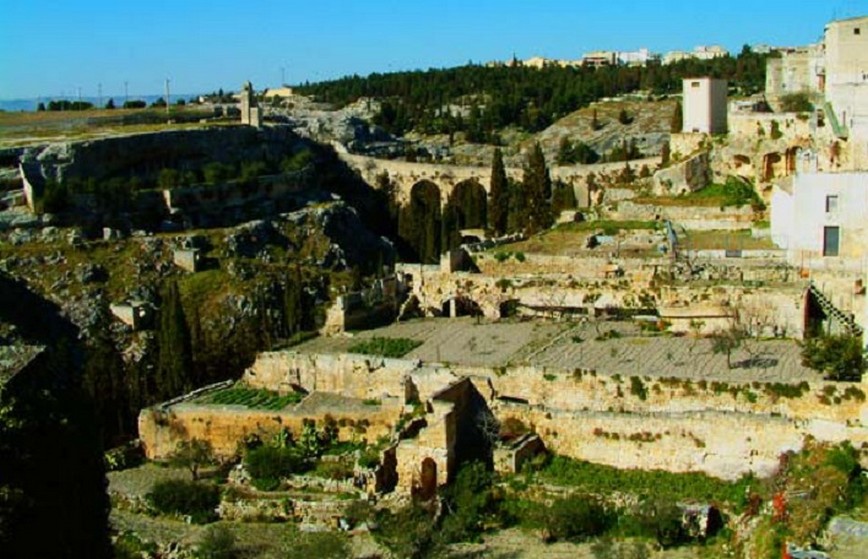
(600, 58)
(704, 105)
(700, 53)
(846, 80)
(639, 57)
(822, 220)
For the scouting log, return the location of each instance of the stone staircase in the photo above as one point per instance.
(846, 320)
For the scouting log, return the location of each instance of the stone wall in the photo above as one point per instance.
(161, 429)
(694, 218)
(723, 429)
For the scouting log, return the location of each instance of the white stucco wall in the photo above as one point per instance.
(705, 107)
(798, 220)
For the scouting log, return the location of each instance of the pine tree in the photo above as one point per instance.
(677, 122)
(174, 366)
(498, 195)
(538, 190)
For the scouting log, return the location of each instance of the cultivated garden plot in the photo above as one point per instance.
(253, 398)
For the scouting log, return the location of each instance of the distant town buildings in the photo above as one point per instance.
(699, 53)
(639, 57)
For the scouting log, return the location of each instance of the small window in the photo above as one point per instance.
(694, 84)
(857, 31)
(831, 203)
(831, 237)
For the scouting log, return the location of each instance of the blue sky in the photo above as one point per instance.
(56, 46)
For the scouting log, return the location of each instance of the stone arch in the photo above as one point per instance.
(743, 166)
(420, 222)
(771, 166)
(466, 208)
(460, 305)
(471, 200)
(428, 479)
(792, 156)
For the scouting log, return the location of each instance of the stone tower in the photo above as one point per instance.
(251, 114)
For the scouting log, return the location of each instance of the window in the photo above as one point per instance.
(857, 31)
(831, 236)
(831, 203)
(694, 84)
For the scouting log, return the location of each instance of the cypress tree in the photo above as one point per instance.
(174, 366)
(292, 303)
(677, 123)
(665, 155)
(517, 217)
(538, 190)
(498, 195)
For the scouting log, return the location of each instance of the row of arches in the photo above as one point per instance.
(428, 228)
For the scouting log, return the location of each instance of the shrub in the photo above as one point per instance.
(297, 161)
(192, 455)
(662, 520)
(387, 347)
(839, 357)
(408, 532)
(575, 517)
(252, 170)
(218, 542)
(267, 464)
(192, 498)
(637, 388)
(333, 469)
(796, 103)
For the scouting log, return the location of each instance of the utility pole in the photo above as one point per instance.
(167, 97)
(126, 93)
(99, 94)
(79, 99)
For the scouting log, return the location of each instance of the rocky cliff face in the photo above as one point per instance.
(144, 155)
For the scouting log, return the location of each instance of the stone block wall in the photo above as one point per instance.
(161, 429)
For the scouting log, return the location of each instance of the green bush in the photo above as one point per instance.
(597, 478)
(267, 464)
(637, 388)
(252, 170)
(297, 161)
(387, 347)
(192, 498)
(218, 542)
(576, 517)
(838, 357)
(796, 103)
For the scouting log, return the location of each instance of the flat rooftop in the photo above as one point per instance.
(583, 344)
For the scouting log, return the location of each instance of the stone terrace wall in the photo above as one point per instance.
(722, 429)
(161, 429)
(695, 218)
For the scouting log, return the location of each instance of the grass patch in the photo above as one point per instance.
(732, 193)
(386, 347)
(671, 487)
